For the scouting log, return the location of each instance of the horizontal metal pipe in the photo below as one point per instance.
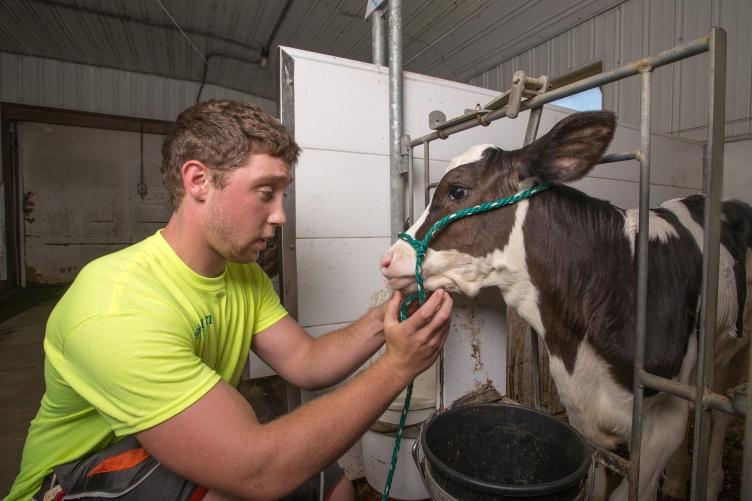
(613, 461)
(661, 59)
(711, 400)
(619, 157)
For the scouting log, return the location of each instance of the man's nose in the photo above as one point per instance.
(278, 216)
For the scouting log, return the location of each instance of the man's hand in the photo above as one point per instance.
(413, 345)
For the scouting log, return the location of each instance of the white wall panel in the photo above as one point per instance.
(326, 200)
(338, 121)
(737, 171)
(676, 162)
(337, 278)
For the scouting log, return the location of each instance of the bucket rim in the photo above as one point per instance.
(522, 491)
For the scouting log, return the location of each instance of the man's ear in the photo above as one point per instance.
(570, 150)
(196, 179)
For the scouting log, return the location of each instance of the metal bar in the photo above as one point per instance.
(427, 173)
(713, 400)
(410, 183)
(288, 270)
(377, 37)
(397, 182)
(642, 282)
(619, 157)
(532, 125)
(532, 130)
(661, 59)
(534, 353)
(612, 461)
(713, 184)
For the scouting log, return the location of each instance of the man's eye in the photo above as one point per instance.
(266, 195)
(457, 192)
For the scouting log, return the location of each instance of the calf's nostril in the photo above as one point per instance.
(386, 260)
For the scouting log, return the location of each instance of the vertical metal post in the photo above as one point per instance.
(532, 131)
(377, 37)
(712, 186)
(642, 281)
(410, 181)
(532, 124)
(288, 270)
(747, 457)
(397, 183)
(427, 172)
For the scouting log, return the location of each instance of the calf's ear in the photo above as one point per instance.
(569, 150)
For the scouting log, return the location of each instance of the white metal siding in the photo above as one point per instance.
(57, 84)
(639, 28)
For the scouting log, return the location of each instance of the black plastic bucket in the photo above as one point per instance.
(500, 451)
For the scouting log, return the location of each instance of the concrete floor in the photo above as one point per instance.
(23, 316)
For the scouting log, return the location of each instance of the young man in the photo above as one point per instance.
(144, 349)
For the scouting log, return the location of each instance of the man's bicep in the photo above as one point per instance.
(215, 443)
(283, 346)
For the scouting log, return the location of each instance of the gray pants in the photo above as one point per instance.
(125, 471)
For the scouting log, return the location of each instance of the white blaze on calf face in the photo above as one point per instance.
(456, 271)
(401, 271)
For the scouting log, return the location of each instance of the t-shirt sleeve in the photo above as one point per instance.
(136, 377)
(268, 309)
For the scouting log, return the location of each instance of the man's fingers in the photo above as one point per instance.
(392, 309)
(426, 312)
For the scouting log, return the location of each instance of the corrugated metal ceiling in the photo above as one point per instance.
(223, 41)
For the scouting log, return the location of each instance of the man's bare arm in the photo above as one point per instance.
(218, 442)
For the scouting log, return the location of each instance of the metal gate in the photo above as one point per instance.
(528, 93)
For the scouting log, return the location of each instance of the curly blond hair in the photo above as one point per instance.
(221, 134)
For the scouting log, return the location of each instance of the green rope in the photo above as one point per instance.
(421, 247)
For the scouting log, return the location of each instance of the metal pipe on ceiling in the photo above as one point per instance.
(147, 22)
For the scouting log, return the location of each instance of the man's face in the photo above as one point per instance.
(241, 216)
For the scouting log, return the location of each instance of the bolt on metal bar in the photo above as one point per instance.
(661, 59)
(712, 186)
(642, 281)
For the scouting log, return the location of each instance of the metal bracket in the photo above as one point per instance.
(523, 87)
(404, 152)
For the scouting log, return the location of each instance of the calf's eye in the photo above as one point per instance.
(457, 192)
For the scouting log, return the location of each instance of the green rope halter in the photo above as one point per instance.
(421, 247)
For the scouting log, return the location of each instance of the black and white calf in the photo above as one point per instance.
(566, 262)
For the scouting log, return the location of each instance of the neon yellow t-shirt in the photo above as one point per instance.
(137, 338)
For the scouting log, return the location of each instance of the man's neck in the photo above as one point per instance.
(190, 246)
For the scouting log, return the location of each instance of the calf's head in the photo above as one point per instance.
(481, 250)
